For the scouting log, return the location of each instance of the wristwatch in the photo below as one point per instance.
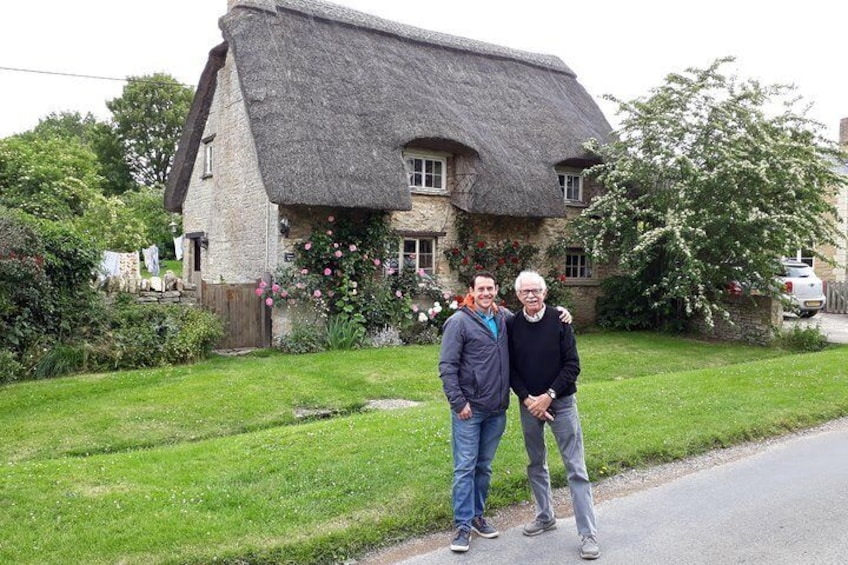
(552, 393)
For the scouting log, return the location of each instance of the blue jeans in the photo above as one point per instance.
(474, 443)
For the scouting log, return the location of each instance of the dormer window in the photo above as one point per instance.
(571, 184)
(426, 172)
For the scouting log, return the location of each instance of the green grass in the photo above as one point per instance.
(164, 265)
(207, 462)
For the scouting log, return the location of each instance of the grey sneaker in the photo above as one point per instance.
(536, 527)
(589, 548)
(483, 529)
(461, 541)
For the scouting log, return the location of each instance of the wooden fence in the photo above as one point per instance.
(837, 297)
(247, 322)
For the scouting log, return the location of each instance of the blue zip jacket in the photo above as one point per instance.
(473, 363)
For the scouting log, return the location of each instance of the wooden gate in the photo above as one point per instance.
(247, 321)
(837, 297)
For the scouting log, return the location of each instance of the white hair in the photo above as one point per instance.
(529, 275)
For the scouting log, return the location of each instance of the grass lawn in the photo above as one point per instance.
(208, 462)
(164, 265)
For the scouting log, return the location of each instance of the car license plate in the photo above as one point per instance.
(812, 303)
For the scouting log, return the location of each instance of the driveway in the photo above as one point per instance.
(834, 326)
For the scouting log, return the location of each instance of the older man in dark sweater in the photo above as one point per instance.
(544, 367)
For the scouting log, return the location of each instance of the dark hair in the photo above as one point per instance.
(481, 274)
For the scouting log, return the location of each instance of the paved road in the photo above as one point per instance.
(785, 504)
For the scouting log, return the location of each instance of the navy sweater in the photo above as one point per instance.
(542, 355)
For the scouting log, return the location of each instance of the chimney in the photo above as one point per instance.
(843, 132)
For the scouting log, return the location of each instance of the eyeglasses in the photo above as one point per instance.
(529, 291)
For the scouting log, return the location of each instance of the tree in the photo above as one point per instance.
(57, 180)
(710, 180)
(148, 119)
(100, 137)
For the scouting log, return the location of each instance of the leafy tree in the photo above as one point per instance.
(99, 137)
(148, 119)
(57, 179)
(710, 180)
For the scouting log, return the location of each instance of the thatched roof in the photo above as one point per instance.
(334, 96)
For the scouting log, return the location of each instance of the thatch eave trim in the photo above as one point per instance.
(192, 135)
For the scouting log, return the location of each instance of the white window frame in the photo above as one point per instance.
(407, 254)
(569, 192)
(207, 156)
(434, 159)
(578, 265)
(805, 255)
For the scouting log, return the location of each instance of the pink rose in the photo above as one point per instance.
(331, 219)
(258, 292)
(338, 253)
(269, 301)
(327, 272)
(376, 262)
(335, 246)
(308, 245)
(415, 307)
(304, 271)
(284, 294)
(399, 294)
(352, 247)
(262, 284)
(275, 288)
(317, 293)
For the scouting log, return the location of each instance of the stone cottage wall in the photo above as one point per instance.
(241, 225)
(753, 319)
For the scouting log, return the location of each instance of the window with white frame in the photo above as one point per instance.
(805, 255)
(207, 156)
(427, 173)
(577, 265)
(571, 184)
(415, 253)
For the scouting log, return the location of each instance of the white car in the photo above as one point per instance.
(801, 288)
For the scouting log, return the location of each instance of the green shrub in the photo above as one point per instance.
(62, 359)
(803, 339)
(344, 333)
(197, 333)
(153, 335)
(10, 368)
(420, 334)
(622, 305)
(304, 338)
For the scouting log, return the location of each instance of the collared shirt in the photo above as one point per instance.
(535, 317)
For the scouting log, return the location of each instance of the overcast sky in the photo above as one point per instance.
(618, 47)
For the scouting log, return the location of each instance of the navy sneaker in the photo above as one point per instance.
(461, 541)
(482, 528)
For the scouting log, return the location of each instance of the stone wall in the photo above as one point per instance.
(753, 319)
(156, 290)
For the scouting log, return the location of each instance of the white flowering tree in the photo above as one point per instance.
(709, 180)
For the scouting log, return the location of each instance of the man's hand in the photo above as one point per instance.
(538, 406)
(465, 413)
(564, 315)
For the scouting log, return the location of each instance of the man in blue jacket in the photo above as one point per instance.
(474, 368)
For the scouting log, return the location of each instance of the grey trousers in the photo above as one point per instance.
(569, 439)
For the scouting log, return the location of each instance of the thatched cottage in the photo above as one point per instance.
(307, 107)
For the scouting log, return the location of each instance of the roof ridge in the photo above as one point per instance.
(349, 16)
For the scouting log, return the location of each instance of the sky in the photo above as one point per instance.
(622, 48)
